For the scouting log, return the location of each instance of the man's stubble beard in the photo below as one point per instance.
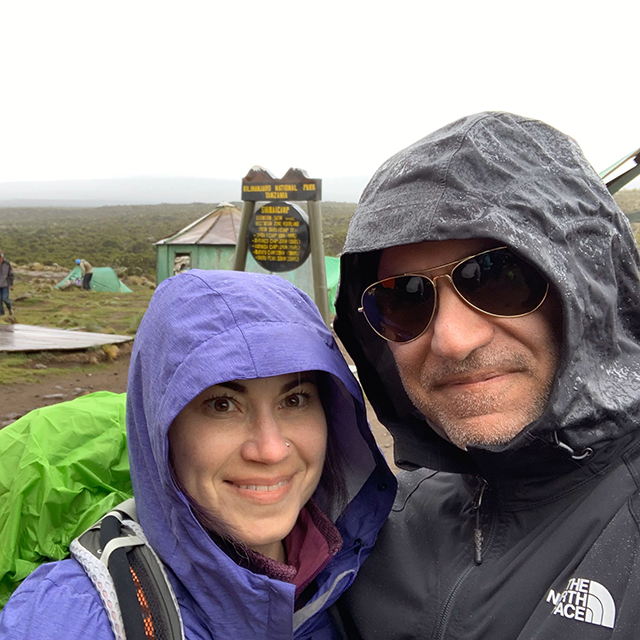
(454, 416)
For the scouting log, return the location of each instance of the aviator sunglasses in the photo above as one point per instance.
(495, 282)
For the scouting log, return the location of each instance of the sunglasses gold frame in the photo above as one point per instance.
(454, 264)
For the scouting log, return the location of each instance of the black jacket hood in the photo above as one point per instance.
(524, 184)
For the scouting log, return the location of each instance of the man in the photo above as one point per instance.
(507, 368)
(6, 284)
(87, 273)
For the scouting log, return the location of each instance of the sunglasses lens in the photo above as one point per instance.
(496, 282)
(500, 283)
(400, 308)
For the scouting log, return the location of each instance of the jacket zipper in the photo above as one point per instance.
(476, 505)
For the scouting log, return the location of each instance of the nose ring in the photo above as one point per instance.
(287, 443)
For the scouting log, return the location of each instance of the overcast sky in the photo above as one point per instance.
(209, 88)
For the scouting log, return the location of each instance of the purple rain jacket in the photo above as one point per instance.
(203, 328)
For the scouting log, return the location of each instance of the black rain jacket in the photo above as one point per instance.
(538, 538)
(6, 274)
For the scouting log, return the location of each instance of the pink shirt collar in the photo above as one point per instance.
(313, 541)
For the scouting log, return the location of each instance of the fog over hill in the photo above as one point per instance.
(150, 190)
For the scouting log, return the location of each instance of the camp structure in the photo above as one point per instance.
(210, 243)
(104, 279)
(207, 243)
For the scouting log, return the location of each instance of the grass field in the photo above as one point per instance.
(95, 311)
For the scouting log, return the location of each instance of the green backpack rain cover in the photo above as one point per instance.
(63, 467)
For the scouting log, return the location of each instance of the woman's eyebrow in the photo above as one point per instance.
(301, 379)
(234, 386)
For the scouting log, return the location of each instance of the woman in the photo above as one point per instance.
(256, 478)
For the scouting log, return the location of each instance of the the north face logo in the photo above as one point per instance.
(584, 600)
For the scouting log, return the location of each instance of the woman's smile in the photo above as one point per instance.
(262, 487)
(263, 492)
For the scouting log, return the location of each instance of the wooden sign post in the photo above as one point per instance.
(280, 235)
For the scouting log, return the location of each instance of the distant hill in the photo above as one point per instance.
(149, 190)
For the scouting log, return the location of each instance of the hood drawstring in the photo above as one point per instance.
(586, 453)
(477, 533)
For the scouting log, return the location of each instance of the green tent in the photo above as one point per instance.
(63, 467)
(332, 268)
(104, 279)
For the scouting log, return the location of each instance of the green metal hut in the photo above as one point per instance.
(210, 243)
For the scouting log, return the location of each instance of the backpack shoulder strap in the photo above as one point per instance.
(129, 577)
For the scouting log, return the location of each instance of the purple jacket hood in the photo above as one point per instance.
(207, 327)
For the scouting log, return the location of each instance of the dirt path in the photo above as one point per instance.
(17, 400)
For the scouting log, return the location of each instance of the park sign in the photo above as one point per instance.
(278, 236)
(260, 184)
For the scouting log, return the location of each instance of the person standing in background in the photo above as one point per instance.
(6, 283)
(87, 273)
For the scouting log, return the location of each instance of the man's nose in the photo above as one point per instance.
(457, 329)
(265, 442)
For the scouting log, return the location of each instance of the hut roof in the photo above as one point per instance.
(219, 226)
